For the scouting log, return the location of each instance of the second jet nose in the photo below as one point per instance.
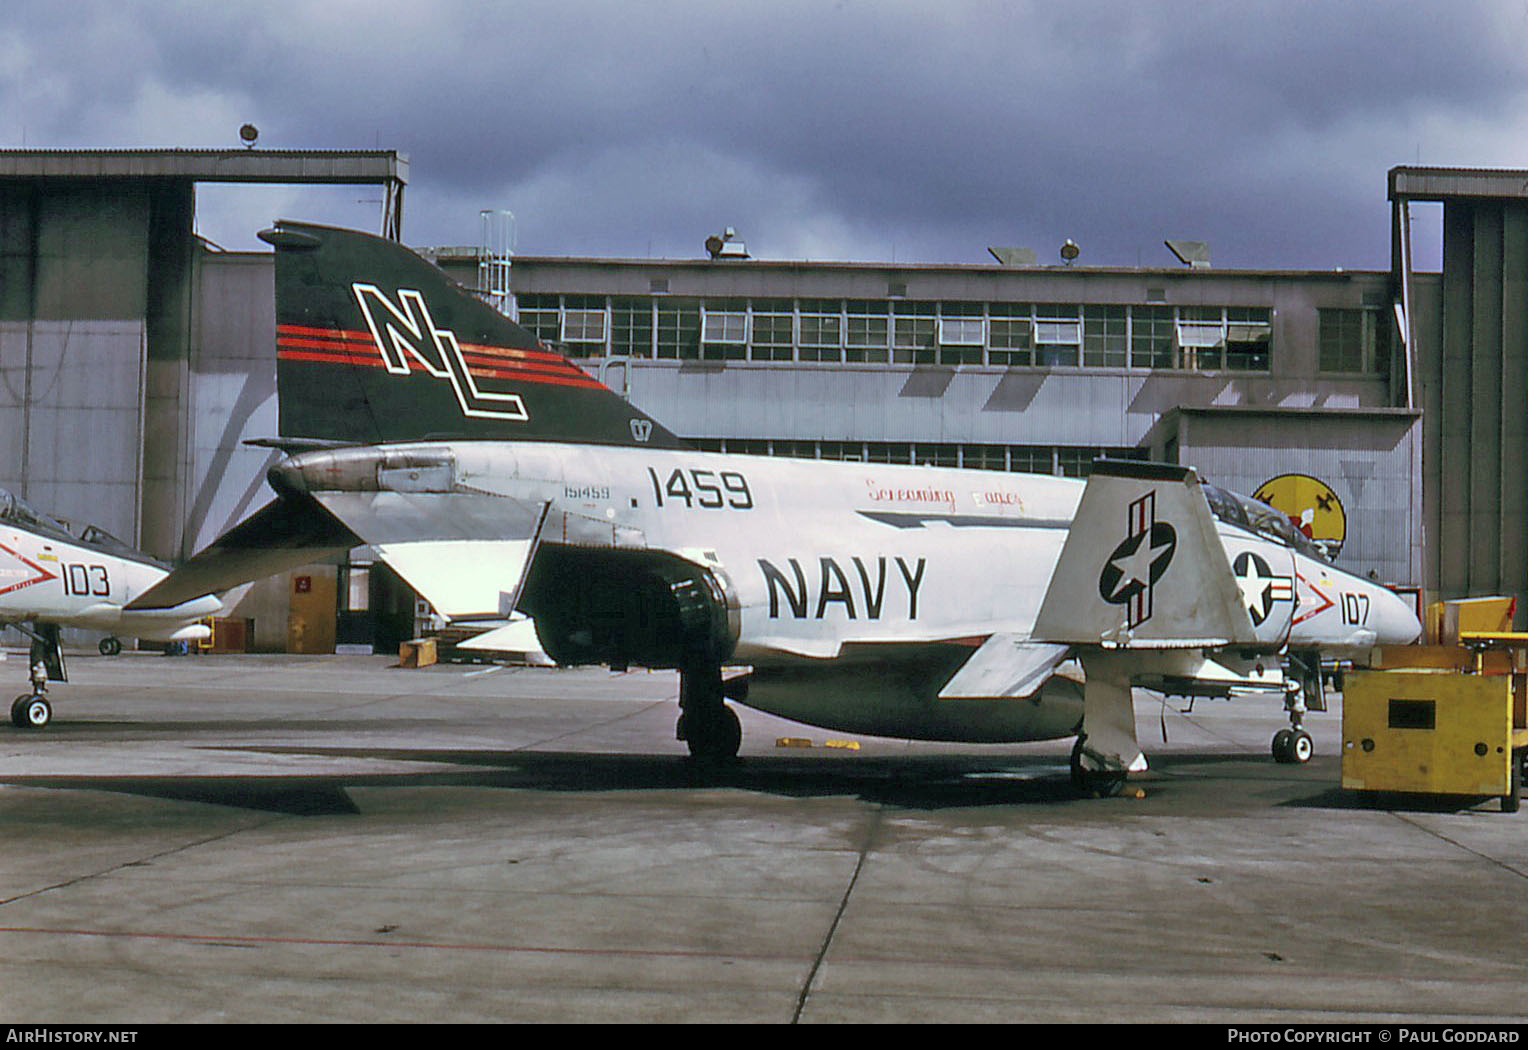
(1394, 620)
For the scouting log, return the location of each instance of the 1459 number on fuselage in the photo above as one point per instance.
(704, 489)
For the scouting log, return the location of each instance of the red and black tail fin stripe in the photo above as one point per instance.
(300, 343)
(376, 344)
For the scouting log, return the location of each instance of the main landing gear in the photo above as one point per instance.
(32, 710)
(1094, 783)
(706, 724)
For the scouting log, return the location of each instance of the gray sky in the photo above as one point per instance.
(866, 130)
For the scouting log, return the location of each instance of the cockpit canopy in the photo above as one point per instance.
(16, 511)
(1236, 509)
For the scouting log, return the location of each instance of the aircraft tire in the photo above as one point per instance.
(1299, 749)
(713, 734)
(31, 711)
(1094, 783)
(1280, 746)
(109, 646)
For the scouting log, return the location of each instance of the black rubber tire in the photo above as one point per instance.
(31, 711)
(712, 734)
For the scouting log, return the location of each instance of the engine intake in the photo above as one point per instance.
(626, 608)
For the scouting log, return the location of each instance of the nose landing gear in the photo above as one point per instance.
(46, 660)
(1304, 692)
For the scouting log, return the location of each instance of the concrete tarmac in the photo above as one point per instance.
(333, 839)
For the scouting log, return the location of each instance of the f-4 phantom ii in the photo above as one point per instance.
(495, 476)
(54, 574)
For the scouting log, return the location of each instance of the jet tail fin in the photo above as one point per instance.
(376, 344)
(1144, 567)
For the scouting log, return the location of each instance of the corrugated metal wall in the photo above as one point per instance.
(1473, 375)
(880, 403)
(1366, 460)
(73, 346)
(232, 395)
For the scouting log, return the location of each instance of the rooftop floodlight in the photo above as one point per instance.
(248, 134)
(726, 246)
(1190, 253)
(1070, 251)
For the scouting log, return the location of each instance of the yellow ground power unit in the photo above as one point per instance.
(1434, 731)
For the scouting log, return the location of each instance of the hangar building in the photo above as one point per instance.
(1386, 408)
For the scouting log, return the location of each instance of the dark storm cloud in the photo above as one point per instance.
(854, 129)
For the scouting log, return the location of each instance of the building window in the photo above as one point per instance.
(1000, 335)
(1355, 341)
(962, 333)
(631, 327)
(774, 328)
(1030, 459)
(1151, 337)
(985, 457)
(678, 329)
(1210, 338)
(1068, 461)
(1201, 338)
(1249, 330)
(725, 321)
(867, 332)
(539, 315)
(888, 452)
(793, 449)
(914, 333)
(822, 330)
(1058, 334)
(724, 329)
(936, 455)
(583, 324)
(1105, 337)
(1076, 462)
(1010, 335)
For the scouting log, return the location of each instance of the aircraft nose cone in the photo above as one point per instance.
(1397, 623)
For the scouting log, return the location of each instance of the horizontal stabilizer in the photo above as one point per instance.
(1144, 567)
(284, 534)
(1005, 665)
(466, 554)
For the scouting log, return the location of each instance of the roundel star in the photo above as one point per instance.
(1134, 567)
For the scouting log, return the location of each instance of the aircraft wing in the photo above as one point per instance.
(1005, 665)
(282, 535)
(466, 554)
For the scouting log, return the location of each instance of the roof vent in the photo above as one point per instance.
(1194, 254)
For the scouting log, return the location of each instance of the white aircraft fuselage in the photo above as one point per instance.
(53, 576)
(853, 591)
(47, 580)
(498, 478)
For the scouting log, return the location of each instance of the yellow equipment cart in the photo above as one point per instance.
(1443, 719)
